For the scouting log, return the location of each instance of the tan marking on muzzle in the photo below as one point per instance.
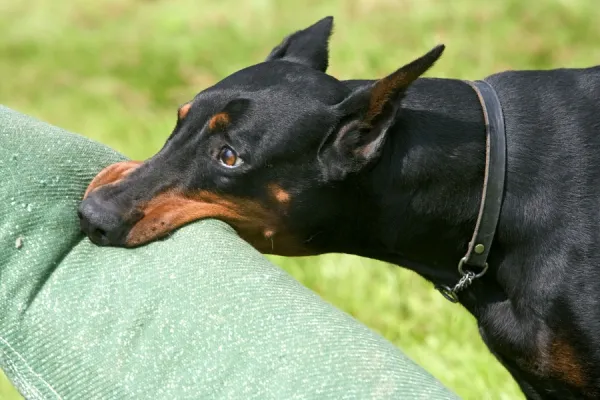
(112, 174)
(253, 222)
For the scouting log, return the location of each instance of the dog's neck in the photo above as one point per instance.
(418, 206)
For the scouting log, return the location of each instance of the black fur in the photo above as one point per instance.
(395, 185)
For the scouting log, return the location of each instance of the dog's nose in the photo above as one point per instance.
(102, 222)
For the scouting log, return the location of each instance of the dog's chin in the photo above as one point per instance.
(163, 220)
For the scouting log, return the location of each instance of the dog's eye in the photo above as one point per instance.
(229, 158)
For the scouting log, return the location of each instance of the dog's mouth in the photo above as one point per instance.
(172, 209)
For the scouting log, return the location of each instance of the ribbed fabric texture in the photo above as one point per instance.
(201, 315)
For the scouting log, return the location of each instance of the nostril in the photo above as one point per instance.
(99, 232)
(99, 236)
(101, 221)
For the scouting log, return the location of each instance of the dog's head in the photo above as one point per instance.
(267, 150)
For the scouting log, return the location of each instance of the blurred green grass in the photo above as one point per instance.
(116, 71)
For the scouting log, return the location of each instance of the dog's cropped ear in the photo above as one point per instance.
(366, 116)
(309, 46)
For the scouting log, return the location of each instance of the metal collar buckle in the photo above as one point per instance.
(467, 277)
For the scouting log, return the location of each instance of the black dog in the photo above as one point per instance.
(300, 163)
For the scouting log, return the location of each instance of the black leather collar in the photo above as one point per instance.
(474, 264)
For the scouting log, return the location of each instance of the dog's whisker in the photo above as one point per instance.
(312, 236)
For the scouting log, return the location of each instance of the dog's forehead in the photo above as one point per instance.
(277, 78)
(262, 109)
(283, 102)
(278, 94)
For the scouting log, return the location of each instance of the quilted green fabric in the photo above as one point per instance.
(198, 316)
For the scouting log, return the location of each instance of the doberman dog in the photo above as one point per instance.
(301, 163)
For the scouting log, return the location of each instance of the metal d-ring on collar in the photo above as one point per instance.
(491, 199)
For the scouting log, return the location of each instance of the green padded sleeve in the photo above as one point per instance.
(201, 315)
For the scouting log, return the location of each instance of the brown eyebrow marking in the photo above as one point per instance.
(254, 223)
(183, 110)
(218, 121)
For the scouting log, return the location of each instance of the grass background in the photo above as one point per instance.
(116, 71)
